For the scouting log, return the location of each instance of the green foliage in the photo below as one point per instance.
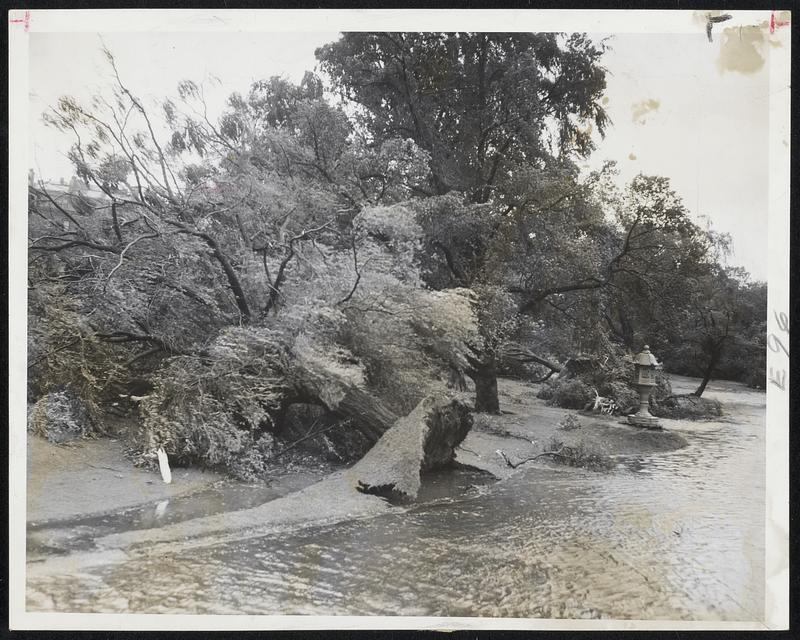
(477, 102)
(686, 407)
(578, 456)
(456, 237)
(63, 351)
(569, 422)
(60, 417)
(571, 394)
(215, 409)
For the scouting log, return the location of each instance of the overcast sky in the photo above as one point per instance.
(680, 107)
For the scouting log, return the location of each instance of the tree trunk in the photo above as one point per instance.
(706, 377)
(699, 391)
(369, 414)
(230, 273)
(485, 378)
(425, 439)
(233, 282)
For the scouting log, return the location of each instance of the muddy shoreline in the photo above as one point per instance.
(122, 507)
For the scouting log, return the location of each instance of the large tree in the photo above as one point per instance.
(482, 104)
(720, 329)
(502, 116)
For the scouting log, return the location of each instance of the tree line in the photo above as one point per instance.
(410, 218)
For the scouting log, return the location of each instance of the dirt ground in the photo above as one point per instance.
(527, 425)
(94, 476)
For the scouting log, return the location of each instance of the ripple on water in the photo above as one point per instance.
(674, 536)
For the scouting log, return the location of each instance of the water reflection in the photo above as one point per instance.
(79, 533)
(672, 536)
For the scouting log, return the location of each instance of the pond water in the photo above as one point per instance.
(669, 536)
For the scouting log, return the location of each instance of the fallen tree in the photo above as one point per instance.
(423, 440)
(235, 270)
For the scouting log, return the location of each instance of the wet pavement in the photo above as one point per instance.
(676, 535)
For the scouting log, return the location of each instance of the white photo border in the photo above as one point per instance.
(23, 23)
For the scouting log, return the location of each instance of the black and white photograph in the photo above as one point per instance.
(413, 319)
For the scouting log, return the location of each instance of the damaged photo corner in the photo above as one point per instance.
(398, 319)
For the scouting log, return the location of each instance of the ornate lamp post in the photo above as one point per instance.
(644, 379)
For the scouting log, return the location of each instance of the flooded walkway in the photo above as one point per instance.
(674, 536)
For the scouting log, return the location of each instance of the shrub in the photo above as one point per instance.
(686, 407)
(571, 394)
(578, 456)
(60, 417)
(569, 423)
(626, 398)
(215, 410)
(547, 390)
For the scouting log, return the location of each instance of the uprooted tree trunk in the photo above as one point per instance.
(368, 414)
(371, 417)
(425, 439)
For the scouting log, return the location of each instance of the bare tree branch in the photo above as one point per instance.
(47, 195)
(358, 276)
(233, 279)
(280, 276)
(122, 255)
(143, 111)
(79, 243)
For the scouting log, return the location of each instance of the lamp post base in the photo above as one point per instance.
(643, 418)
(645, 422)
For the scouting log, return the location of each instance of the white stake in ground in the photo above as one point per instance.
(163, 465)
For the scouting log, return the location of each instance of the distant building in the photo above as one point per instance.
(78, 187)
